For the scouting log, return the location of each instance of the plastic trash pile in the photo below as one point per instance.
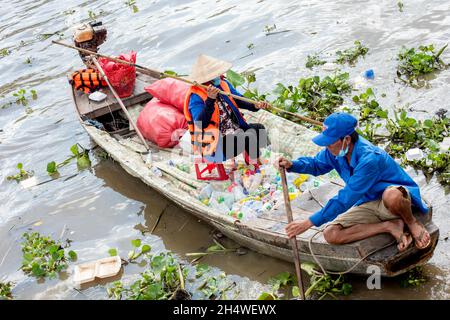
(251, 193)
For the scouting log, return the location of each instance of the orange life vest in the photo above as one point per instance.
(87, 80)
(204, 140)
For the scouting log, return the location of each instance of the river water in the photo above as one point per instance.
(104, 207)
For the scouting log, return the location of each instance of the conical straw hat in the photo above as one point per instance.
(207, 68)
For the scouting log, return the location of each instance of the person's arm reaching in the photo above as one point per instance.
(365, 175)
(318, 165)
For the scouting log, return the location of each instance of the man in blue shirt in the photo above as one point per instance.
(378, 196)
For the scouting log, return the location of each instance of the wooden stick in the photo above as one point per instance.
(159, 75)
(293, 240)
(120, 102)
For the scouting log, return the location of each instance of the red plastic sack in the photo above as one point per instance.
(169, 91)
(161, 124)
(121, 76)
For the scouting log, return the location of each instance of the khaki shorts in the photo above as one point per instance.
(369, 212)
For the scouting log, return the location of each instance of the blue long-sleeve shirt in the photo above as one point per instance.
(203, 110)
(370, 172)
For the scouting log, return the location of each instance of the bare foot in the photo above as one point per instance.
(396, 229)
(421, 236)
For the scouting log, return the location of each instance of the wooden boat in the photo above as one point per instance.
(264, 234)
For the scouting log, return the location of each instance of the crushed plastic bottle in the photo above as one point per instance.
(205, 193)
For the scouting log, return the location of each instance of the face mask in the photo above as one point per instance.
(216, 81)
(342, 152)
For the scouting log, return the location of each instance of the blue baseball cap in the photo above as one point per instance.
(337, 125)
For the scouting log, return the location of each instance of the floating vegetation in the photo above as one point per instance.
(314, 60)
(4, 52)
(132, 5)
(216, 248)
(213, 287)
(276, 283)
(45, 36)
(138, 250)
(352, 54)
(79, 153)
(400, 6)
(28, 60)
(268, 29)
(5, 290)
(312, 96)
(22, 175)
(414, 63)
(161, 281)
(368, 107)
(413, 278)
(322, 285)
(21, 97)
(250, 46)
(43, 256)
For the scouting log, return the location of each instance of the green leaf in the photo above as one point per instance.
(428, 123)
(295, 291)
(73, 255)
(308, 267)
(131, 254)
(170, 72)
(235, 78)
(136, 243)
(112, 252)
(145, 248)
(51, 167)
(20, 166)
(74, 149)
(83, 162)
(266, 296)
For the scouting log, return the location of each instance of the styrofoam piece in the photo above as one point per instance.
(102, 268)
(185, 142)
(445, 144)
(108, 267)
(97, 96)
(84, 273)
(414, 154)
(30, 182)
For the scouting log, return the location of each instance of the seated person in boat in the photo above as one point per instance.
(218, 129)
(378, 196)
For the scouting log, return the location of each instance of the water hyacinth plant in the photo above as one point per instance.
(5, 290)
(43, 256)
(22, 175)
(314, 60)
(414, 63)
(351, 55)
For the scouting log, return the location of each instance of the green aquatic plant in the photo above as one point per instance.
(216, 248)
(22, 175)
(414, 63)
(160, 281)
(215, 287)
(5, 290)
(314, 97)
(43, 256)
(368, 107)
(323, 285)
(21, 97)
(4, 52)
(138, 250)
(400, 6)
(250, 46)
(350, 55)
(132, 5)
(413, 278)
(269, 28)
(314, 60)
(79, 153)
(112, 252)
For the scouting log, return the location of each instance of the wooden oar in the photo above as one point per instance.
(160, 75)
(287, 204)
(99, 68)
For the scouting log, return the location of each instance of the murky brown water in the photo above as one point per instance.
(105, 207)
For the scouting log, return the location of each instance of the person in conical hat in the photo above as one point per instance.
(218, 129)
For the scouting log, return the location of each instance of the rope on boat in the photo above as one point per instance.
(351, 268)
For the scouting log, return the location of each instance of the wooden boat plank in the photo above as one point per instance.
(92, 109)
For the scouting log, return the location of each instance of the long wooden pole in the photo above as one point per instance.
(159, 75)
(100, 69)
(287, 204)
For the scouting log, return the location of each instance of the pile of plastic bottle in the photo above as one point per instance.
(252, 193)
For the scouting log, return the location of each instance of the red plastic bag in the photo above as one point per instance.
(121, 76)
(169, 91)
(161, 123)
